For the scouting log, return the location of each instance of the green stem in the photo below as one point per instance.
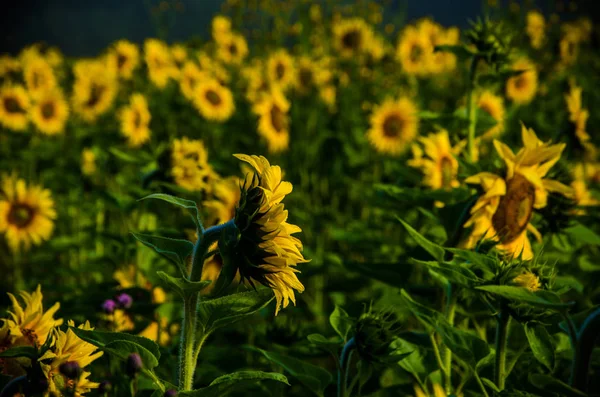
(501, 340)
(480, 383)
(436, 352)
(471, 110)
(344, 364)
(450, 314)
(188, 350)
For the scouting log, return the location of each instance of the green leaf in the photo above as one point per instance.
(220, 312)
(433, 249)
(341, 322)
(428, 317)
(332, 346)
(543, 299)
(123, 348)
(582, 235)
(182, 286)
(314, 378)
(175, 250)
(20, 351)
(456, 274)
(490, 384)
(103, 339)
(187, 204)
(125, 156)
(546, 382)
(465, 345)
(226, 383)
(541, 344)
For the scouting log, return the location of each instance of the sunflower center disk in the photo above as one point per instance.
(47, 110)
(351, 39)
(213, 97)
(305, 77)
(121, 59)
(392, 126)
(12, 105)
(233, 49)
(515, 209)
(277, 118)
(279, 71)
(137, 119)
(20, 215)
(96, 93)
(415, 53)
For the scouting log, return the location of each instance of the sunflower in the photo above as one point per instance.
(135, 120)
(39, 76)
(582, 196)
(191, 75)
(440, 167)
(14, 105)
(273, 120)
(503, 212)
(179, 53)
(88, 162)
(152, 331)
(328, 95)
(394, 124)
(226, 195)
(30, 325)
(213, 68)
(54, 57)
(312, 74)
(232, 48)
(190, 168)
(267, 251)
(414, 51)
(221, 26)
(281, 69)
(213, 101)
(160, 63)
(493, 105)
(527, 280)
(256, 83)
(536, 25)
(8, 65)
(522, 88)
(50, 113)
(69, 348)
(94, 89)
(577, 114)
(26, 214)
(126, 56)
(352, 37)
(443, 61)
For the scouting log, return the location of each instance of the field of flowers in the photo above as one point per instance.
(320, 200)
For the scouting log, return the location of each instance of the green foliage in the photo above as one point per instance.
(237, 380)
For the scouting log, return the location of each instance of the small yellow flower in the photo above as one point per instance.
(190, 165)
(179, 54)
(95, 88)
(273, 122)
(521, 89)
(535, 29)
(281, 69)
(39, 76)
(352, 37)
(394, 125)
(126, 56)
(232, 48)
(414, 51)
(135, 121)
(14, 107)
(160, 62)
(528, 280)
(26, 213)
(213, 100)
(191, 75)
(50, 113)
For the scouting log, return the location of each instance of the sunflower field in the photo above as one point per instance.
(317, 199)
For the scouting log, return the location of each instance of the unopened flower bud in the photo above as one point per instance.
(134, 364)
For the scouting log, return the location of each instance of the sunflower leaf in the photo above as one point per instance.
(175, 250)
(187, 204)
(182, 286)
(236, 380)
(543, 299)
(436, 251)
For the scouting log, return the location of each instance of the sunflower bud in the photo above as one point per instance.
(528, 280)
(374, 332)
(491, 39)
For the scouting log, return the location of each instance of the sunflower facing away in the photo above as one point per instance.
(281, 69)
(26, 213)
(213, 101)
(394, 125)
(504, 210)
(135, 121)
(190, 168)
(69, 348)
(522, 88)
(14, 105)
(352, 37)
(50, 112)
(126, 56)
(273, 120)
(266, 251)
(439, 165)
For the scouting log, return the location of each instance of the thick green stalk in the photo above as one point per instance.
(188, 351)
(471, 110)
(501, 341)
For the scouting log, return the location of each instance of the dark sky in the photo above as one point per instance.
(86, 27)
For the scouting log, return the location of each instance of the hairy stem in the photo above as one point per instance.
(501, 340)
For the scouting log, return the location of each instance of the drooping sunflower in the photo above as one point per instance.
(352, 37)
(50, 113)
(160, 63)
(94, 89)
(414, 51)
(503, 212)
(26, 213)
(232, 48)
(127, 58)
(14, 106)
(190, 167)
(39, 76)
(135, 121)
(394, 124)
(69, 348)
(439, 165)
(493, 105)
(521, 89)
(266, 252)
(281, 69)
(30, 325)
(273, 120)
(213, 100)
(536, 25)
